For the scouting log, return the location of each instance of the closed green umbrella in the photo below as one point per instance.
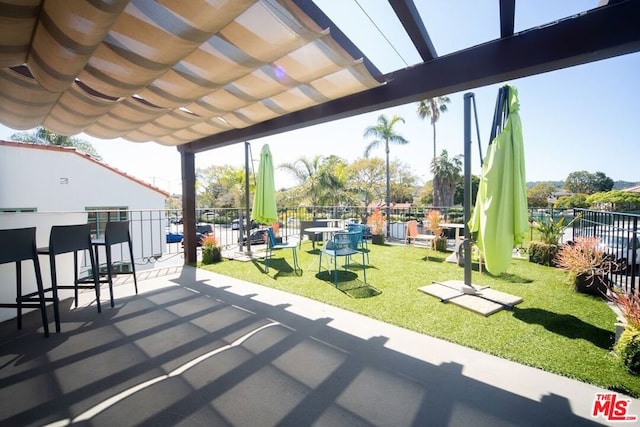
(500, 215)
(264, 201)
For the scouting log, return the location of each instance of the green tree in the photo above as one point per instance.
(615, 200)
(574, 201)
(291, 197)
(458, 197)
(425, 195)
(384, 133)
(432, 108)
(602, 182)
(403, 183)
(367, 176)
(578, 182)
(173, 202)
(307, 173)
(538, 195)
(334, 182)
(587, 183)
(222, 186)
(43, 136)
(447, 173)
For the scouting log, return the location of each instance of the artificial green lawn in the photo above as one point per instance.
(554, 328)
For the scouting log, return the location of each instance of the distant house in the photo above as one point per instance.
(42, 185)
(553, 197)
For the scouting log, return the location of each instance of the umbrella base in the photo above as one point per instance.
(479, 299)
(243, 256)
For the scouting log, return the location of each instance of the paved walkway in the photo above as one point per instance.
(198, 348)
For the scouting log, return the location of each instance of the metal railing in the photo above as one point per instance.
(618, 235)
(151, 229)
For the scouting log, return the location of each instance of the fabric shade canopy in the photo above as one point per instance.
(500, 215)
(264, 201)
(166, 71)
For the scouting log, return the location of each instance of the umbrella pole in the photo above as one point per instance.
(246, 199)
(467, 187)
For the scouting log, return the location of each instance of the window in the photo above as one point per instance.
(99, 216)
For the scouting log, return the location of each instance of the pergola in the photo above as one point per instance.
(199, 76)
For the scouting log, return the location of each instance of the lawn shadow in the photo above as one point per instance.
(432, 259)
(508, 277)
(357, 266)
(349, 284)
(282, 267)
(259, 265)
(566, 325)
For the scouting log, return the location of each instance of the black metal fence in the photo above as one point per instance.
(157, 234)
(618, 236)
(223, 218)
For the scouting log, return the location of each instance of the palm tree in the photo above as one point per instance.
(383, 133)
(307, 173)
(447, 172)
(432, 107)
(334, 180)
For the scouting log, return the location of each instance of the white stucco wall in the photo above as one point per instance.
(35, 177)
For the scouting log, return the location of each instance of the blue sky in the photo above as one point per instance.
(580, 118)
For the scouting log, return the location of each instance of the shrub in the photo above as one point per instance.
(543, 253)
(551, 230)
(628, 346)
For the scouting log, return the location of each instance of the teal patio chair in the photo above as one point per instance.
(343, 244)
(363, 245)
(272, 245)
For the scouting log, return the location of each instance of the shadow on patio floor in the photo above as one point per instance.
(196, 348)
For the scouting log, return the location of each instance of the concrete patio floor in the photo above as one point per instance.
(197, 348)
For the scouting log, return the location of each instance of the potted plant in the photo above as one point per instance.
(587, 264)
(376, 221)
(434, 221)
(211, 252)
(627, 345)
(276, 231)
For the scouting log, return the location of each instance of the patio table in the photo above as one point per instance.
(454, 257)
(329, 230)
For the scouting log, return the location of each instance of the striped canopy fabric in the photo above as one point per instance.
(169, 71)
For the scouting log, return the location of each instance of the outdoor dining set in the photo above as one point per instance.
(339, 242)
(63, 239)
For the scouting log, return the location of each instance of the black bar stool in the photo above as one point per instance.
(20, 245)
(115, 232)
(65, 239)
